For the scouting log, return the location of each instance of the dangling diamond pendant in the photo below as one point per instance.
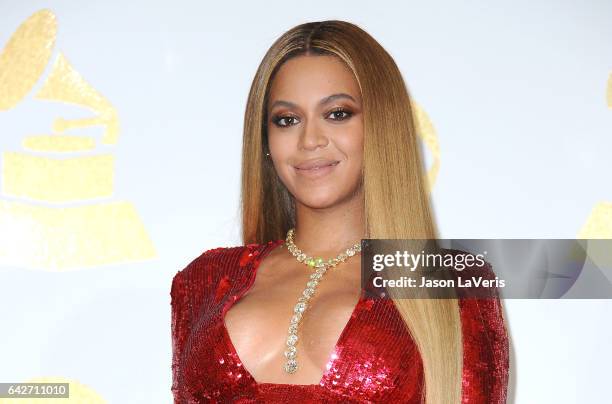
(291, 366)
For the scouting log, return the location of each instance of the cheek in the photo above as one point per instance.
(352, 146)
(282, 148)
(281, 144)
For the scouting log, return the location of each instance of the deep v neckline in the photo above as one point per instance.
(331, 358)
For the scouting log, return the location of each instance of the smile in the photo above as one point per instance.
(318, 170)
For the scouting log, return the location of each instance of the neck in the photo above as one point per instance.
(327, 232)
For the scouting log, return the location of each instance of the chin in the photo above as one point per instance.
(315, 201)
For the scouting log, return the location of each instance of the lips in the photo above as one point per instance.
(316, 164)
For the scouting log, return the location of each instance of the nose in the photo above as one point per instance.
(312, 137)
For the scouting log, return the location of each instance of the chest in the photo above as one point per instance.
(348, 344)
(256, 326)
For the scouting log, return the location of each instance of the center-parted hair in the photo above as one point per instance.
(395, 189)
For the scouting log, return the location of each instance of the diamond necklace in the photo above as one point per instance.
(321, 266)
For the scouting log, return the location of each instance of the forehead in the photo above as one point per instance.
(307, 79)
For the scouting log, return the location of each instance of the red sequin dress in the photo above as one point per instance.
(374, 360)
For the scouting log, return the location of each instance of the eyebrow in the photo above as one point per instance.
(323, 101)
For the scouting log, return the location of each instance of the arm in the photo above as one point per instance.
(486, 347)
(180, 325)
(495, 337)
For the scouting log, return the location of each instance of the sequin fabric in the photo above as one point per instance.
(375, 359)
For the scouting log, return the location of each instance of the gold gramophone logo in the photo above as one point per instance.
(50, 213)
(428, 135)
(599, 223)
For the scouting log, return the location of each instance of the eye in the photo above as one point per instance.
(339, 114)
(284, 121)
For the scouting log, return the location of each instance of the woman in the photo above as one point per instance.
(329, 157)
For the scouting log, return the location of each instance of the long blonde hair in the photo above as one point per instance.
(396, 194)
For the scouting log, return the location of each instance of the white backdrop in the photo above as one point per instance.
(516, 92)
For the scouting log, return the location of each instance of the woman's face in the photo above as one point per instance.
(315, 130)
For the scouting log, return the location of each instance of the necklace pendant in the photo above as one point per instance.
(291, 366)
